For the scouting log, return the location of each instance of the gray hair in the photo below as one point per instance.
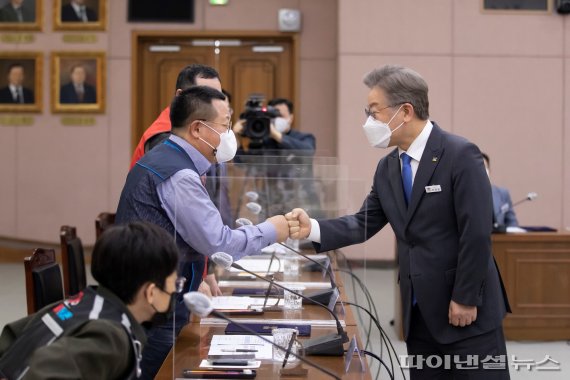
(401, 85)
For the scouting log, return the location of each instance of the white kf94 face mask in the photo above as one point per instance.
(378, 133)
(227, 148)
(281, 124)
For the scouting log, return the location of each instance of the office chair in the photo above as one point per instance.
(43, 279)
(103, 221)
(72, 261)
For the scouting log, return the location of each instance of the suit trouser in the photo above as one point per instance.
(479, 357)
(160, 337)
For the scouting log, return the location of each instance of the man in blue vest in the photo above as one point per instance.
(166, 187)
(96, 334)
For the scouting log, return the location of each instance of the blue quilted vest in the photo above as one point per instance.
(139, 199)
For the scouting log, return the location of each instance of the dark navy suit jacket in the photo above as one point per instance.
(6, 96)
(67, 94)
(68, 14)
(443, 237)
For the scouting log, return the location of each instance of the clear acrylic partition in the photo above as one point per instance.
(255, 187)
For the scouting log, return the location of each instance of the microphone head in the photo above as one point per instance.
(254, 207)
(252, 195)
(244, 222)
(222, 259)
(198, 304)
(531, 196)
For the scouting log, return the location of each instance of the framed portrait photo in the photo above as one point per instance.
(20, 15)
(78, 82)
(79, 15)
(21, 82)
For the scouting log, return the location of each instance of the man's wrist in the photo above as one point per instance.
(315, 233)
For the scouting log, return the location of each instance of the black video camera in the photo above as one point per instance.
(257, 120)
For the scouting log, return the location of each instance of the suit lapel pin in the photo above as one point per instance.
(434, 159)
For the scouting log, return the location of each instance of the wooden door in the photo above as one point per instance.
(252, 63)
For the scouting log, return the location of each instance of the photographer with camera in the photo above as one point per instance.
(269, 128)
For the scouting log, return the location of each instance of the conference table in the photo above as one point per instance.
(193, 343)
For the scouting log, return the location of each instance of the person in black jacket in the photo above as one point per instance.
(77, 11)
(15, 92)
(77, 90)
(97, 334)
(16, 11)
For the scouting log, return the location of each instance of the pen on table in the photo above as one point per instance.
(289, 347)
(238, 350)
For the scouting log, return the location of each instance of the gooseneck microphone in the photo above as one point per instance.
(200, 305)
(529, 197)
(321, 296)
(501, 228)
(330, 345)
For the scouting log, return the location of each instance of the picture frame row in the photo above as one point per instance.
(27, 15)
(77, 82)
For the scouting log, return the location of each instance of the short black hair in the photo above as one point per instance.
(278, 101)
(228, 95)
(187, 77)
(193, 103)
(486, 158)
(13, 65)
(130, 255)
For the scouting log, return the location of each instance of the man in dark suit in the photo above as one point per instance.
(15, 92)
(77, 11)
(503, 211)
(77, 91)
(434, 192)
(16, 11)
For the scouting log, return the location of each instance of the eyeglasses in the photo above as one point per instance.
(228, 126)
(178, 284)
(368, 112)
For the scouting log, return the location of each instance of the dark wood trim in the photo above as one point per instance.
(140, 36)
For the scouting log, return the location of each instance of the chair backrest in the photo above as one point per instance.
(72, 261)
(43, 279)
(104, 220)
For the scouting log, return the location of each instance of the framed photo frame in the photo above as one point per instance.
(79, 15)
(78, 82)
(21, 81)
(21, 15)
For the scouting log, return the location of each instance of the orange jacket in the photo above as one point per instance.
(160, 125)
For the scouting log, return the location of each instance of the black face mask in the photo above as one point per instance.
(162, 317)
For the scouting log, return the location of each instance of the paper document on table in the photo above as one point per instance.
(229, 345)
(240, 303)
(258, 265)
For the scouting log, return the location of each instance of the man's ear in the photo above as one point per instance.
(408, 109)
(291, 117)
(194, 129)
(177, 92)
(149, 291)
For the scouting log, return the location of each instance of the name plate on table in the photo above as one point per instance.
(351, 353)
